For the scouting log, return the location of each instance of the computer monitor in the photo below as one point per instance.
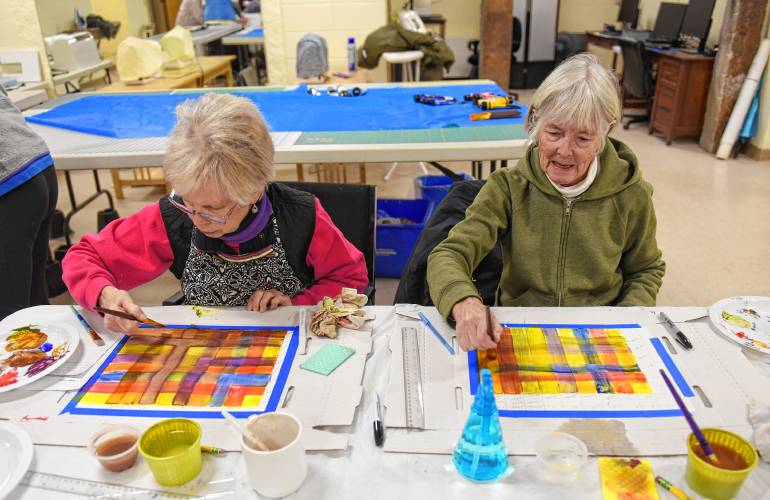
(629, 12)
(697, 20)
(669, 21)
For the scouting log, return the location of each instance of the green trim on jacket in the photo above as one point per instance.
(598, 250)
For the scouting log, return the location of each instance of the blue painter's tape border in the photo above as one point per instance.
(679, 380)
(272, 404)
(473, 373)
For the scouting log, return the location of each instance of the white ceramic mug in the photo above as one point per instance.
(281, 470)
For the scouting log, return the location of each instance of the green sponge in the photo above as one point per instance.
(327, 359)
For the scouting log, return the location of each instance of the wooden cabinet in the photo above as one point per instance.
(680, 94)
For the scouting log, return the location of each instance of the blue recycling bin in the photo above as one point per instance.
(395, 241)
(435, 187)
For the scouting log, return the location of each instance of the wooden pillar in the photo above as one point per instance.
(738, 42)
(495, 47)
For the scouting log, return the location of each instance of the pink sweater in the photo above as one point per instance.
(133, 250)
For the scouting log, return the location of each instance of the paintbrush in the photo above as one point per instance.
(704, 444)
(125, 315)
(250, 438)
(89, 329)
(491, 353)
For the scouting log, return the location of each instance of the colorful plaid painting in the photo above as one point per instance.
(536, 360)
(188, 367)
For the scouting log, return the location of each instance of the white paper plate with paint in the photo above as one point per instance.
(30, 352)
(15, 456)
(745, 320)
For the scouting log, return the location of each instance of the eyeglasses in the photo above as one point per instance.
(217, 219)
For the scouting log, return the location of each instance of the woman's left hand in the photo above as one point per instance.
(267, 300)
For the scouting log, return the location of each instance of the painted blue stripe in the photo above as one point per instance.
(473, 371)
(590, 413)
(25, 173)
(567, 325)
(272, 404)
(679, 380)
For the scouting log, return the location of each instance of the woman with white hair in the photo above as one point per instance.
(231, 236)
(574, 216)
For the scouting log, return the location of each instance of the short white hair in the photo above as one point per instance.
(579, 92)
(219, 141)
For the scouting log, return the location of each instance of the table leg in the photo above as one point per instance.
(117, 184)
(362, 172)
(300, 172)
(229, 75)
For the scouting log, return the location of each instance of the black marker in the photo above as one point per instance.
(379, 432)
(671, 327)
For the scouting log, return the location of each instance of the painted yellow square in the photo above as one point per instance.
(251, 401)
(196, 351)
(165, 399)
(95, 399)
(271, 352)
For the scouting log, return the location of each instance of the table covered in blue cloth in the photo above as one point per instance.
(144, 115)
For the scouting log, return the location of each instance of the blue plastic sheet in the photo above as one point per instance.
(255, 33)
(152, 115)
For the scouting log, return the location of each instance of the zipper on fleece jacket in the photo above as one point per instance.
(562, 260)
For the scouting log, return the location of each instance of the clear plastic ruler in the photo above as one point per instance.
(94, 489)
(415, 410)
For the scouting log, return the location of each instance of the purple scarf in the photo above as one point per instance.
(253, 228)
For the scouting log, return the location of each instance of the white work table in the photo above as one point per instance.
(210, 33)
(364, 470)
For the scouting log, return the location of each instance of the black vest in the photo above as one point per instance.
(294, 210)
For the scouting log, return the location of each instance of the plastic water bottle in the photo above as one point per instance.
(480, 454)
(351, 53)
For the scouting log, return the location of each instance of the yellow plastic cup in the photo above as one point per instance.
(711, 481)
(172, 449)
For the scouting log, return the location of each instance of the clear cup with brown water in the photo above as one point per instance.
(115, 447)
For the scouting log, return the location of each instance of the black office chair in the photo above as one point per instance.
(352, 208)
(413, 287)
(516, 34)
(637, 77)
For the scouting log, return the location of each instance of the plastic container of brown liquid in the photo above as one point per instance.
(115, 447)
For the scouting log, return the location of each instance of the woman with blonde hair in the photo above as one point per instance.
(231, 236)
(574, 216)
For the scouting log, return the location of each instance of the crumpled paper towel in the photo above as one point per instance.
(759, 416)
(345, 310)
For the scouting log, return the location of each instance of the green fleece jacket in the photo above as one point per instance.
(596, 250)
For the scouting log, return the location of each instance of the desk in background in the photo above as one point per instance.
(201, 38)
(68, 78)
(249, 36)
(24, 98)
(680, 94)
(194, 75)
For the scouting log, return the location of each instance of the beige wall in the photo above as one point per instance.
(286, 21)
(463, 17)
(58, 15)
(132, 15)
(20, 29)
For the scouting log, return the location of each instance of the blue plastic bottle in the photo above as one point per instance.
(351, 54)
(480, 454)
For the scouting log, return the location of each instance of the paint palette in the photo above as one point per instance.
(745, 320)
(30, 352)
(15, 456)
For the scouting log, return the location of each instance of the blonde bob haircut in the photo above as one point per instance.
(580, 92)
(220, 141)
